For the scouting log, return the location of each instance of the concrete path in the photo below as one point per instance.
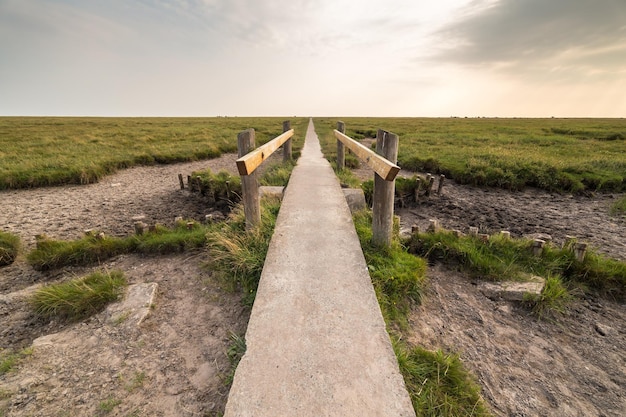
(316, 340)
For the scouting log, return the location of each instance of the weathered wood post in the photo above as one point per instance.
(382, 208)
(286, 145)
(341, 150)
(249, 183)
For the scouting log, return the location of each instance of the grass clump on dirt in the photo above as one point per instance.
(398, 277)
(619, 207)
(9, 248)
(95, 247)
(9, 359)
(438, 383)
(79, 298)
(501, 258)
(236, 255)
(235, 352)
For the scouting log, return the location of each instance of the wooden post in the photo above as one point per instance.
(341, 150)
(287, 145)
(537, 246)
(249, 183)
(382, 208)
(580, 250)
(182, 183)
(442, 178)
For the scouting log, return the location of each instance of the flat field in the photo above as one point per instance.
(45, 151)
(570, 155)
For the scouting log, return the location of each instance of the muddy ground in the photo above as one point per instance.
(175, 363)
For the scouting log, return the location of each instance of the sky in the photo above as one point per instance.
(416, 58)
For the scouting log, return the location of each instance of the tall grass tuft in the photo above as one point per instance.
(236, 255)
(619, 207)
(438, 383)
(78, 298)
(398, 277)
(9, 248)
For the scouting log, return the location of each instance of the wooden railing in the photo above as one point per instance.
(383, 162)
(249, 160)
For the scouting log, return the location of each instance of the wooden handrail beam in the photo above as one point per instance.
(385, 169)
(248, 163)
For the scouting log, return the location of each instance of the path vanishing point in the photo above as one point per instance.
(316, 339)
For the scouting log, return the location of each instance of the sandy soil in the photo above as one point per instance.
(174, 363)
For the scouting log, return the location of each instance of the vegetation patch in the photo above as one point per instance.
(236, 255)
(500, 258)
(45, 151)
(79, 298)
(398, 277)
(9, 359)
(235, 352)
(9, 248)
(438, 383)
(564, 155)
(619, 207)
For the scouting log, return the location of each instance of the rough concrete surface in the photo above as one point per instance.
(316, 340)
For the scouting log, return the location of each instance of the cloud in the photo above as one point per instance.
(558, 39)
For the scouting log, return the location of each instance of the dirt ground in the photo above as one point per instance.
(175, 362)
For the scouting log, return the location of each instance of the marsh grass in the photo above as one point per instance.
(9, 359)
(502, 258)
(236, 255)
(438, 383)
(235, 352)
(565, 155)
(619, 207)
(78, 298)
(92, 249)
(45, 151)
(9, 248)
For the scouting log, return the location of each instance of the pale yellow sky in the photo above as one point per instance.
(506, 58)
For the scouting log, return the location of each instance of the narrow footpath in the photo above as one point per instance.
(316, 340)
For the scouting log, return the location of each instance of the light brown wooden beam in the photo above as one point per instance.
(380, 165)
(248, 163)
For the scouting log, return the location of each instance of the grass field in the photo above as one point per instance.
(569, 155)
(44, 151)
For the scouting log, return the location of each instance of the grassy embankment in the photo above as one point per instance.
(569, 155)
(45, 151)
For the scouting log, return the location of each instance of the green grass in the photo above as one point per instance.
(619, 207)
(235, 352)
(502, 258)
(398, 277)
(236, 255)
(567, 155)
(106, 406)
(438, 383)
(9, 359)
(79, 298)
(44, 151)
(9, 248)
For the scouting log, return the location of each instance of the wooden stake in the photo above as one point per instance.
(249, 183)
(287, 145)
(341, 150)
(442, 178)
(382, 208)
(180, 179)
(537, 246)
(580, 249)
